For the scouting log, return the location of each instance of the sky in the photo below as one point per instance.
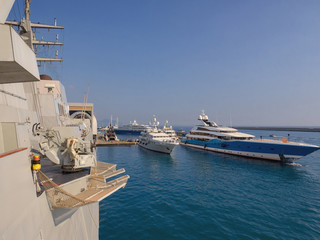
(246, 63)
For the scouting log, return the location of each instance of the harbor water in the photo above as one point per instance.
(196, 194)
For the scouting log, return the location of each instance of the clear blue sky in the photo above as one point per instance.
(254, 62)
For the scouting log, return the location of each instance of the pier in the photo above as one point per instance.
(101, 142)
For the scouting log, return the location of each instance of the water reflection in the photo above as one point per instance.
(203, 160)
(156, 159)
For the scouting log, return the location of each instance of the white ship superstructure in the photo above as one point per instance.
(132, 128)
(35, 124)
(212, 137)
(169, 130)
(156, 140)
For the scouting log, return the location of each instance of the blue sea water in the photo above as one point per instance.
(195, 194)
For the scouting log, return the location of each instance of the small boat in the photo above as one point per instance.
(212, 137)
(157, 140)
(181, 133)
(110, 134)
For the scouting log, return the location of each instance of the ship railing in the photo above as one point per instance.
(96, 190)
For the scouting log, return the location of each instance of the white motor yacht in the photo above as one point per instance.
(212, 137)
(156, 140)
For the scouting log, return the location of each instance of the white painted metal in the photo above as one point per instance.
(23, 214)
(134, 126)
(18, 62)
(158, 146)
(157, 140)
(5, 7)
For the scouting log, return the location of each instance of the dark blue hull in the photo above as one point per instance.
(278, 151)
(127, 132)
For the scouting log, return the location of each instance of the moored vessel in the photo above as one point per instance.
(156, 140)
(131, 128)
(110, 134)
(212, 137)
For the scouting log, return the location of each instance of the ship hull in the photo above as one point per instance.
(132, 132)
(28, 216)
(275, 151)
(158, 147)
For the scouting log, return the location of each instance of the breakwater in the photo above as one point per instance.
(293, 129)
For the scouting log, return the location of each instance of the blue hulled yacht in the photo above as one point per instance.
(209, 136)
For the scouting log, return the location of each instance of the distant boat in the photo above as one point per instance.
(110, 134)
(101, 129)
(272, 135)
(156, 140)
(131, 128)
(210, 136)
(181, 133)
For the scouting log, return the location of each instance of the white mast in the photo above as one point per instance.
(26, 31)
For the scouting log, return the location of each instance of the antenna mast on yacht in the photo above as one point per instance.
(85, 101)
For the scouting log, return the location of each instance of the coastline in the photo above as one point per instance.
(291, 129)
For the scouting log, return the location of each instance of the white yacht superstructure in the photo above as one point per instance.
(212, 137)
(156, 140)
(132, 128)
(168, 130)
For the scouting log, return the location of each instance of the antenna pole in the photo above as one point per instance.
(27, 10)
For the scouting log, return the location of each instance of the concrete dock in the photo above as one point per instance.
(101, 142)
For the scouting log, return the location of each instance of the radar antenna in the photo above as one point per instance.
(27, 32)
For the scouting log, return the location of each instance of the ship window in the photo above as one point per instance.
(61, 109)
(8, 137)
